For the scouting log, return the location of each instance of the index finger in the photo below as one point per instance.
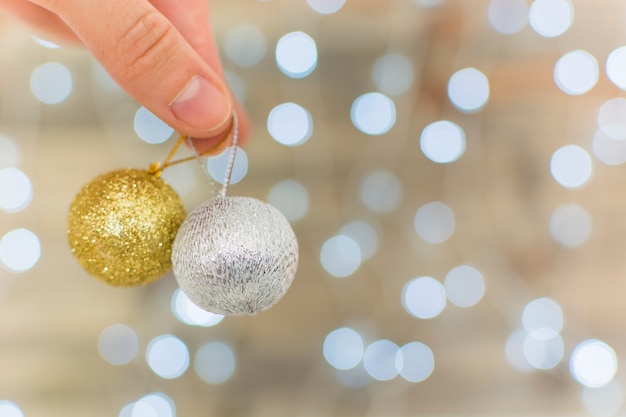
(192, 19)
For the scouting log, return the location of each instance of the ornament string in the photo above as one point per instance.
(203, 165)
(231, 159)
(157, 168)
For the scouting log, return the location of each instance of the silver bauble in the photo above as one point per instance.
(235, 255)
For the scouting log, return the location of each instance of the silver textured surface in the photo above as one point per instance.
(235, 255)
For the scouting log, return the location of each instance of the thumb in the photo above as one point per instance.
(151, 60)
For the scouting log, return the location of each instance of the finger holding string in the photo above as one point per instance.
(192, 19)
(141, 45)
(215, 145)
(68, 22)
(199, 156)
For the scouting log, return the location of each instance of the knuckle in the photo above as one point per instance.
(147, 44)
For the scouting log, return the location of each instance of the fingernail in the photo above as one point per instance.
(202, 105)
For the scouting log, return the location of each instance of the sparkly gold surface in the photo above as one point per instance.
(122, 226)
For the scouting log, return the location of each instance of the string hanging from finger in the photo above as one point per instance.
(231, 159)
(157, 168)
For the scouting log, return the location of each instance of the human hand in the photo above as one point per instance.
(161, 52)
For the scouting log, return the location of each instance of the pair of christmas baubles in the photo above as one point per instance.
(231, 255)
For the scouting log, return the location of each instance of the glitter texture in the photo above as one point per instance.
(122, 226)
(235, 255)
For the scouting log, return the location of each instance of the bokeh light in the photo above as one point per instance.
(20, 250)
(343, 348)
(424, 297)
(127, 410)
(167, 356)
(544, 353)
(326, 6)
(215, 362)
(593, 363)
(608, 150)
(118, 344)
(468, 90)
(10, 409)
(381, 360)
(51, 83)
(153, 405)
(605, 401)
(245, 45)
(508, 16)
(434, 222)
(381, 192)
(616, 67)
(612, 118)
(542, 318)
(364, 234)
(443, 141)
(340, 256)
(296, 54)
(373, 113)
(570, 225)
(571, 166)
(551, 18)
(150, 128)
(16, 190)
(464, 286)
(418, 362)
(9, 152)
(291, 198)
(576, 72)
(290, 124)
(217, 165)
(393, 74)
(514, 351)
(187, 312)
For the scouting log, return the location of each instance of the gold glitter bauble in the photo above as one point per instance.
(122, 226)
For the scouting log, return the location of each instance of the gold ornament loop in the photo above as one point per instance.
(156, 168)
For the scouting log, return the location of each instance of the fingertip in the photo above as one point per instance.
(203, 107)
(215, 144)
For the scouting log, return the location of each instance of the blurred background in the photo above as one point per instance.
(453, 170)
